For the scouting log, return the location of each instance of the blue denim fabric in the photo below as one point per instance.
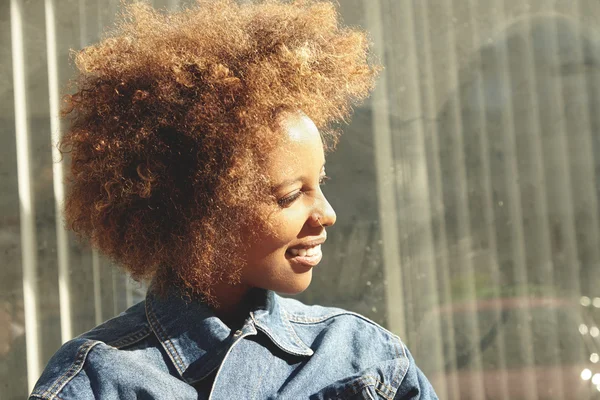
(167, 348)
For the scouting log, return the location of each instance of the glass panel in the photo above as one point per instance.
(467, 191)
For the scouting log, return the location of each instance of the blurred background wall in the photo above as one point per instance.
(467, 193)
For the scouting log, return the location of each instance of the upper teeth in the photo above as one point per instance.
(311, 251)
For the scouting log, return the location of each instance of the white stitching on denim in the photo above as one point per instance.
(162, 335)
(371, 397)
(290, 329)
(397, 378)
(383, 385)
(305, 319)
(239, 339)
(362, 382)
(132, 338)
(379, 386)
(270, 335)
(383, 394)
(82, 353)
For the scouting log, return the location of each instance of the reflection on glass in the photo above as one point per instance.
(472, 199)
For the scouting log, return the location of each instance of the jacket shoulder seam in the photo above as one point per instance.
(399, 350)
(399, 378)
(52, 392)
(303, 316)
(131, 338)
(307, 320)
(304, 319)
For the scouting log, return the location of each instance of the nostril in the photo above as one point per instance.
(328, 218)
(315, 220)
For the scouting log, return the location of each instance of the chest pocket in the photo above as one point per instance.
(363, 388)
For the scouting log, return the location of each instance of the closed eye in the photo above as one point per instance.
(288, 200)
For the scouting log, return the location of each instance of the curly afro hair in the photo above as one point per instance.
(172, 114)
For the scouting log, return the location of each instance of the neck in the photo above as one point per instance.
(232, 308)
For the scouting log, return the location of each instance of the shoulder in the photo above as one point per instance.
(362, 348)
(67, 371)
(351, 323)
(376, 358)
(313, 314)
(128, 328)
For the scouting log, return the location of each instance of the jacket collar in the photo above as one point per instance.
(197, 341)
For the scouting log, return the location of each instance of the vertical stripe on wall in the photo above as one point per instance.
(27, 213)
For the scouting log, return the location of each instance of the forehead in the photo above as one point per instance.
(298, 128)
(300, 149)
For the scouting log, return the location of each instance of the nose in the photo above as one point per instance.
(323, 214)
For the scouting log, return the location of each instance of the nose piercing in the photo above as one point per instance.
(319, 221)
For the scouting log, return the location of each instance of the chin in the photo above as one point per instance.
(299, 284)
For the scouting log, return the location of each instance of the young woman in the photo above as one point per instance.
(197, 146)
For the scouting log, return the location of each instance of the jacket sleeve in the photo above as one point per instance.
(415, 385)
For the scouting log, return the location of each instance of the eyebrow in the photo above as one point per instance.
(288, 182)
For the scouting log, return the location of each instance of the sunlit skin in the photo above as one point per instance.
(298, 218)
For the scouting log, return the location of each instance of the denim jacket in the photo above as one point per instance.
(169, 348)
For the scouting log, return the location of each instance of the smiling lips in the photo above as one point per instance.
(308, 254)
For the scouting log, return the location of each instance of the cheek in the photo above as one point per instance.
(276, 237)
(289, 229)
(266, 240)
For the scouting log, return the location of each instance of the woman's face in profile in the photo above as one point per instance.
(281, 257)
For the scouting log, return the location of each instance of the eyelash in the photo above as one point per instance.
(286, 201)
